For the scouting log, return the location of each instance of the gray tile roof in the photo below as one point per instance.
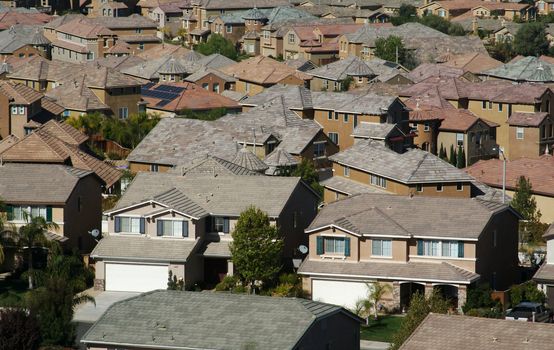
(248, 160)
(367, 103)
(373, 130)
(207, 320)
(351, 66)
(20, 35)
(38, 183)
(438, 332)
(431, 272)
(280, 157)
(295, 97)
(420, 216)
(202, 72)
(545, 273)
(349, 187)
(144, 248)
(412, 167)
(213, 166)
(217, 249)
(529, 69)
(179, 201)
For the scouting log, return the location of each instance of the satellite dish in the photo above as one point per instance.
(303, 249)
(95, 233)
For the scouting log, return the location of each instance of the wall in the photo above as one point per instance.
(120, 97)
(135, 167)
(5, 112)
(211, 80)
(253, 89)
(333, 332)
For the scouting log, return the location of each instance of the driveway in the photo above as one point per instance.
(373, 345)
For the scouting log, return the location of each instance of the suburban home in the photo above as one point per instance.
(450, 9)
(212, 80)
(545, 275)
(537, 171)
(474, 62)
(412, 243)
(506, 33)
(182, 223)
(531, 134)
(168, 16)
(11, 16)
(24, 41)
(69, 197)
(463, 332)
(523, 70)
(544, 7)
(370, 166)
(225, 321)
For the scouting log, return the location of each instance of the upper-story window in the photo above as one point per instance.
(172, 228)
(229, 28)
(381, 247)
(460, 139)
(266, 34)
(346, 171)
(449, 249)
(220, 224)
(25, 212)
(333, 245)
(333, 136)
(292, 38)
(14, 110)
(378, 181)
(519, 133)
(138, 30)
(319, 149)
(127, 224)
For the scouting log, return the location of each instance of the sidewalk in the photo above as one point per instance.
(373, 345)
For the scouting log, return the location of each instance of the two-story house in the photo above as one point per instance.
(412, 243)
(183, 224)
(545, 275)
(530, 134)
(66, 196)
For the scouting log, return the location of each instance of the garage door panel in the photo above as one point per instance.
(135, 277)
(343, 293)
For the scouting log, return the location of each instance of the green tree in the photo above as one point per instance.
(531, 229)
(527, 291)
(406, 13)
(442, 153)
(460, 158)
(391, 49)
(306, 170)
(435, 22)
(456, 29)
(502, 51)
(19, 330)
(530, 40)
(453, 159)
(175, 284)
(218, 44)
(257, 247)
(420, 307)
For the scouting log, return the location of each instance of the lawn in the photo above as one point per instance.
(12, 292)
(381, 330)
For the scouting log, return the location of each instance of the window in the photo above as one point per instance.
(338, 86)
(355, 120)
(141, 46)
(451, 249)
(266, 34)
(325, 84)
(173, 228)
(292, 38)
(500, 106)
(205, 24)
(205, 86)
(229, 28)
(378, 181)
(319, 150)
(346, 171)
(14, 110)
(221, 224)
(543, 132)
(459, 186)
(216, 88)
(105, 42)
(336, 116)
(247, 87)
(138, 30)
(333, 245)
(330, 115)
(21, 110)
(66, 113)
(519, 133)
(381, 247)
(460, 139)
(484, 105)
(345, 118)
(90, 56)
(360, 80)
(419, 188)
(442, 13)
(129, 224)
(172, 77)
(154, 168)
(490, 104)
(333, 136)
(439, 187)
(24, 213)
(123, 112)
(426, 127)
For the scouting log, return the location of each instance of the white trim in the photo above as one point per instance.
(441, 257)
(387, 236)
(353, 233)
(170, 210)
(148, 202)
(386, 278)
(447, 238)
(445, 284)
(380, 257)
(333, 256)
(404, 282)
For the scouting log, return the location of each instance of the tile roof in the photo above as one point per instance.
(77, 96)
(365, 103)
(84, 28)
(188, 62)
(7, 142)
(545, 273)
(163, 50)
(144, 248)
(352, 66)
(454, 332)
(64, 132)
(20, 35)
(217, 249)
(51, 106)
(413, 166)
(248, 160)
(533, 119)
(38, 183)
(474, 62)
(19, 93)
(528, 69)
(203, 72)
(279, 157)
(427, 70)
(20, 16)
(295, 97)
(215, 321)
(419, 216)
(378, 131)
(263, 70)
(213, 166)
(540, 173)
(133, 21)
(461, 120)
(349, 187)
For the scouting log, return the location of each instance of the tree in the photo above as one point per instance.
(502, 51)
(442, 153)
(406, 13)
(391, 49)
(218, 44)
(175, 284)
(376, 292)
(456, 29)
(19, 330)
(453, 156)
(435, 22)
(257, 247)
(306, 170)
(420, 307)
(530, 40)
(531, 228)
(460, 158)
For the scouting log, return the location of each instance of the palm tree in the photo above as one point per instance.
(376, 292)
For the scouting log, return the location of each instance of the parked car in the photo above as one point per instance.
(529, 312)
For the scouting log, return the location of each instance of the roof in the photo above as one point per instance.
(19, 93)
(84, 28)
(248, 160)
(64, 132)
(280, 157)
(352, 66)
(540, 173)
(461, 120)
(404, 216)
(530, 69)
(144, 248)
(465, 332)
(19, 35)
(532, 119)
(38, 183)
(216, 321)
(213, 166)
(16, 16)
(474, 62)
(412, 167)
(204, 71)
(366, 103)
(263, 70)
(348, 187)
(7, 142)
(295, 97)
(545, 273)
(217, 249)
(378, 131)
(182, 61)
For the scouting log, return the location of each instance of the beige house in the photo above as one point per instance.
(182, 223)
(545, 275)
(410, 243)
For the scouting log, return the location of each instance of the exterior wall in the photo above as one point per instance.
(5, 112)
(212, 80)
(336, 330)
(24, 52)
(120, 97)
(528, 147)
(427, 139)
(135, 167)
(250, 88)
(330, 149)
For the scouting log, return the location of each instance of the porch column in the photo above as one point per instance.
(230, 268)
(462, 296)
(395, 294)
(428, 290)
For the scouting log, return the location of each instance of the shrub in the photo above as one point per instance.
(527, 291)
(227, 284)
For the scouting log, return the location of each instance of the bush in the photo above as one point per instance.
(18, 330)
(479, 297)
(527, 291)
(227, 284)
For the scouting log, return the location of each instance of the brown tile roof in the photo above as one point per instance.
(19, 93)
(51, 106)
(539, 171)
(533, 119)
(76, 96)
(473, 62)
(426, 70)
(69, 45)
(7, 142)
(83, 28)
(64, 132)
(120, 47)
(263, 70)
(10, 18)
(461, 120)
(454, 332)
(163, 50)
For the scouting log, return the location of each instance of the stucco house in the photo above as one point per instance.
(545, 275)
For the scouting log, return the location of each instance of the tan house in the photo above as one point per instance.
(449, 9)
(531, 134)
(413, 244)
(370, 167)
(182, 223)
(69, 197)
(544, 7)
(545, 275)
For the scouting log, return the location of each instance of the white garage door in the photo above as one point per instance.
(339, 292)
(135, 278)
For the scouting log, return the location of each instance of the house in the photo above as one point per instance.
(537, 171)
(369, 166)
(463, 332)
(137, 31)
(545, 275)
(182, 223)
(544, 7)
(112, 9)
(64, 195)
(24, 41)
(258, 73)
(412, 243)
(506, 33)
(528, 69)
(531, 134)
(225, 321)
(11, 16)
(474, 62)
(168, 99)
(168, 16)
(449, 9)
(212, 80)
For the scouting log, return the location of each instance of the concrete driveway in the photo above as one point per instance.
(373, 345)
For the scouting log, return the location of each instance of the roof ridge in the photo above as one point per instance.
(387, 217)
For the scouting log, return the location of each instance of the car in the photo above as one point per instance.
(529, 312)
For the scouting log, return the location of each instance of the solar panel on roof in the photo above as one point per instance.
(168, 88)
(162, 103)
(147, 86)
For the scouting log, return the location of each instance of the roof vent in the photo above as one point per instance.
(494, 339)
(526, 340)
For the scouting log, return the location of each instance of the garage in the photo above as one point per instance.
(343, 293)
(135, 277)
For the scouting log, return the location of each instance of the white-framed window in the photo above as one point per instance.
(333, 136)
(21, 109)
(219, 224)
(229, 28)
(215, 88)
(460, 139)
(360, 80)
(325, 84)
(439, 187)
(381, 247)
(292, 38)
(330, 115)
(128, 224)
(333, 245)
(500, 107)
(14, 110)
(338, 85)
(25, 212)
(345, 118)
(419, 188)
(459, 186)
(484, 105)
(442, 13)
(520, 133)
(319, 149)
(378, 181)
(449, 249)
(426, 127)
(205, 24)
(90, 56)
(123, 112)
(154, 168)
(266, 34)
(172, 228)
(346, 171)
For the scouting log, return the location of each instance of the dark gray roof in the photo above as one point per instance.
(144, 248)
(248, 160)
(207, 320)
(545, 273)
(529, 69)
(420, 216)
(38, 183)
(412, 167)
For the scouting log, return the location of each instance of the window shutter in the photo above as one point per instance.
(49, 213)
(460, 249)
(185, 228)
(160, 228)
(9, 212)
(319, 245)
(142, 224)
(347, 246)
(419, 247)
(225, 225)
(117, 224)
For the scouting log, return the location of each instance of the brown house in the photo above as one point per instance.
(531, 134)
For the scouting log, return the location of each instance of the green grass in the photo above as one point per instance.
(12, 292)
(381, 330)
